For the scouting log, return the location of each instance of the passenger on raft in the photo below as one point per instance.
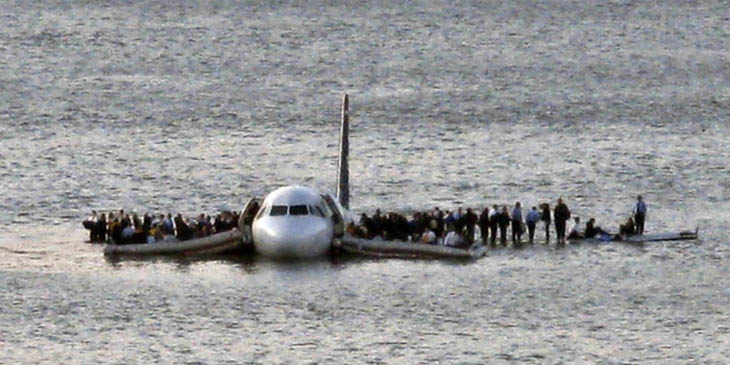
(517, 225)
(90, 224)
(574, 232)
(533, 216)
(628, 228)
(503, 221)
(101, 229)
(493, 224)
(126, 229)
(640, 214)
(484, 224)
(561, 215)
(470, 220)
(592, 230)
(428, 237)
(545, 217)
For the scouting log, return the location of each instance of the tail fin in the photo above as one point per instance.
(343, 177)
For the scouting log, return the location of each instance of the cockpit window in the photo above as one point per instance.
(298, 210)
(316, 210)
(278, 210)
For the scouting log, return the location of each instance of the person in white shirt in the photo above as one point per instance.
(574, 231)
(428, 237)
(493, 214)
(128, 232)
(452, 239)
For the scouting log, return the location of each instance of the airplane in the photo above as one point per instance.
(298, 221)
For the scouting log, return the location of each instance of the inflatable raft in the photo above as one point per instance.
(214, 244)
(401, 249)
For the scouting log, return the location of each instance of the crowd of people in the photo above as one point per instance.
(125, 228)
(459, 228)
(450, 228)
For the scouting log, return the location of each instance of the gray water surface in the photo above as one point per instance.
(193, 107)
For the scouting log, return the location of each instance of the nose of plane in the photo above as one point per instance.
(292, 236)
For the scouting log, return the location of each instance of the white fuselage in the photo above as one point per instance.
(293, 222)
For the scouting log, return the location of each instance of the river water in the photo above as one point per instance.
(195, 106)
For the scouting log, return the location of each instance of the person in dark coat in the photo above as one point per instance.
(378, 224)
(470, 221)
(592, 230)
(640, 214)
(484, 224)
(561, 214)
(184, 232)
(101, 229)
(115, 231)
(146, 224)
(459, 222)
(517, 225)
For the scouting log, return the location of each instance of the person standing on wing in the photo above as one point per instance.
(545, 217)
(517, 225)
(561, 215)
(640, 214)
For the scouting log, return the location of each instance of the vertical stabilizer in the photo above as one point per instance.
(343, 175)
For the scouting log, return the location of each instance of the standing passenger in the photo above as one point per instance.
(517, 225)
(449, 221)
(561, 214)
(458, 222)
(183, 230)
(378, 222)
(640, 215)
(532, 217)
(439, 217)
(493, 223)
(503, 224)
(545, 217)
(470, 221)
(484, 224)
(90, 224)
(146, 224)
(101, 229)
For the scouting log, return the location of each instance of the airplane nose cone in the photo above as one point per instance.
(292, 236)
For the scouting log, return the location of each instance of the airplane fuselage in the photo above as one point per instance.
(294, 222)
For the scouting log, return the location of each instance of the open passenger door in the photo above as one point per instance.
(245, 220)
(337, 217)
